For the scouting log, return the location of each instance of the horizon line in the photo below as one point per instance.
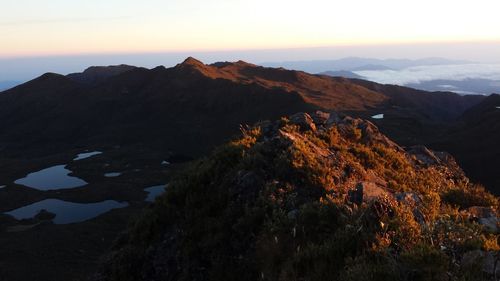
(230, 50)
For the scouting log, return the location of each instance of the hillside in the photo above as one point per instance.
(475, 142)
(321, 197)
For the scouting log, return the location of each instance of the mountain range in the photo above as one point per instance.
(192, 107)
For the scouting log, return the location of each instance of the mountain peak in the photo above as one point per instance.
(109, 69)
(97, 74)
(190, 61)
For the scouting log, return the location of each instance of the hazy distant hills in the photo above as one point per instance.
(359, 64)
(4, 85)
(192, 107)
(466, 86)
(342, 73)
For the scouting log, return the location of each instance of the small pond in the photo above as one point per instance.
(154, 192)
(112, 175)
(378, 116)
(86, 155)
(56, 177)
(66, 212)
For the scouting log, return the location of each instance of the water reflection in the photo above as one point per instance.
(86, 155)
(66, 212)
(56, 177)
(154, 192)
(112, 175)
(378, 116)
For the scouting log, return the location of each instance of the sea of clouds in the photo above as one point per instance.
(418, 74)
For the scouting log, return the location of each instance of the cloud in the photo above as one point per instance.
(427, 73)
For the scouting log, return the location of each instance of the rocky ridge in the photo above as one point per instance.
(314, 197)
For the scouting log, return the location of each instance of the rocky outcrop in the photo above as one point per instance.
(309, 195)
(368, 192)
(485, 216)
(304, 121)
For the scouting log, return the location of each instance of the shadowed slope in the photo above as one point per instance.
(475, 141)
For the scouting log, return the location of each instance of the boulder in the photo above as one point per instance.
(320, 117)
(367, 192)
(485, 216)
(334, 118)
(45, 215)
(424, 155)
(304, 121)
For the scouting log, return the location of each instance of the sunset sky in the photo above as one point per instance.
(62, 27)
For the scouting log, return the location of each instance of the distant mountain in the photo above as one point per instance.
(466, 86)
(5, 85)
(359, 64)
(371, 67)
(342, 73)
(97, 74)
(193, 107)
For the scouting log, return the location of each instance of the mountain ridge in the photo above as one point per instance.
(194, 101)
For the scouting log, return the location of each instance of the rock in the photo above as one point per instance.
(490, 224)
(334, 118)
(367, 192)
(304, 121)
(413, 200)
(489, 261)
(320, 117)
(485, 216)
(424, 155)
(267, 128)
(371, 134)
(45, 215)
(410, 198)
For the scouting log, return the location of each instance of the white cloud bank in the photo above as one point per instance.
(427, 73)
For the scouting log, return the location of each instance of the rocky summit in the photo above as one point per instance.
(314, 197)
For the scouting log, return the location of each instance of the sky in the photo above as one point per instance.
(62, 27)
(65, 36)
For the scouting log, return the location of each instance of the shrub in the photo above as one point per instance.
(470, 195)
